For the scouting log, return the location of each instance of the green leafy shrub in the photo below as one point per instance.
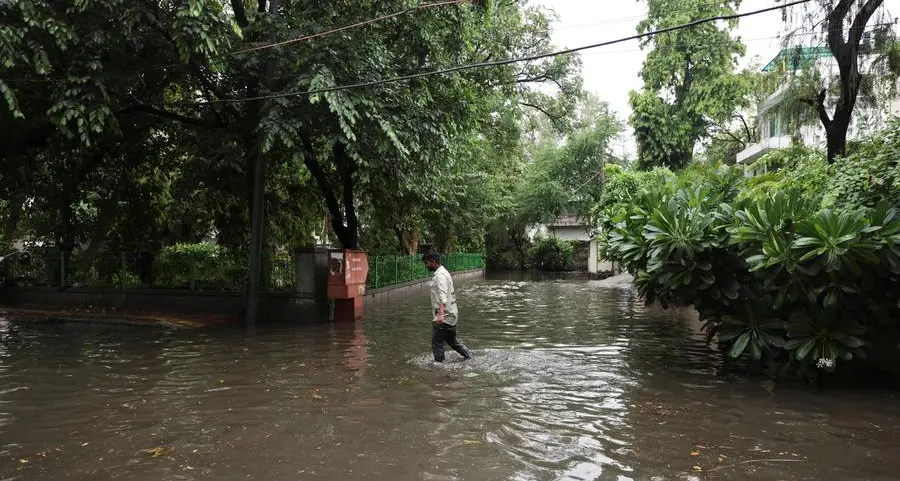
(794, 169)
(507, 247)
(198, 266)
(869, 175)
(620, 186)
(551, 254)
(776, 276)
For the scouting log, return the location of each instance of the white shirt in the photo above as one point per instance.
(443, 292)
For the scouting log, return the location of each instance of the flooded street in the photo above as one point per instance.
(571, 381)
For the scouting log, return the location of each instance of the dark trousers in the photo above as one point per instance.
(443, 333)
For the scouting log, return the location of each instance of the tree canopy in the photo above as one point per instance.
(689, 80)
(140, 123)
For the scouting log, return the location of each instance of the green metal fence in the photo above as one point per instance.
(218, 271)
(390, 270)
(210, 269)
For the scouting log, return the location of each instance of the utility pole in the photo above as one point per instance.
(257, 213)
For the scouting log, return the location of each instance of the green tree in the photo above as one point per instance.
(832, 98)
(146, 125)
(81, 85)
(689, 80)
(565, 174)
(733, 135)
(446, 189)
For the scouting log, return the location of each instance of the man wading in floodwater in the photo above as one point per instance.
(443, 305)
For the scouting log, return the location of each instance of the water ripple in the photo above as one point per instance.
(570, 381)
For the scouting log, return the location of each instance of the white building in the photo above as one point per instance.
(565, 227)
(572, 228)
(774, 131)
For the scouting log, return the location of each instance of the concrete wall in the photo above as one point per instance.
(596, 265)
(569, 233)
(276, 307)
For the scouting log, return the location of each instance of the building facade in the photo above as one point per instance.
(774, 130)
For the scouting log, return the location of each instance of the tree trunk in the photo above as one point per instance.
(257, 214)
(408, 240)
(347, 234)
(11, 226)
(520, 248)
(347, 166)
(836, 139)
(65, 237)
(846, 52)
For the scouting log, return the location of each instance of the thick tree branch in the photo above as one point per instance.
(836, 27)
(746, 128)
(819, 104)
(318, 173)
(542, 110)
(240, 14)
(540, 78)
(730, 134)
(860, 21)
(348, 236)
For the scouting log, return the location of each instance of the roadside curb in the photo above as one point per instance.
(116, 318)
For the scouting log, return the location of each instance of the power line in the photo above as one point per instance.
(563, 26)
(498, 63)
(350, 26)
(333, 30)
(665, 48)
(293, 40)
(804, 33)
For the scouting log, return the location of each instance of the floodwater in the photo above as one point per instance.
(573, 380)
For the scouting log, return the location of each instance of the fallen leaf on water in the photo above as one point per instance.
(695, 453)
(159, 451)
(471, 441)
(23, 461)
(698, 468)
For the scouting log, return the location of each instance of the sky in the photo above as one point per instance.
(611, 72)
